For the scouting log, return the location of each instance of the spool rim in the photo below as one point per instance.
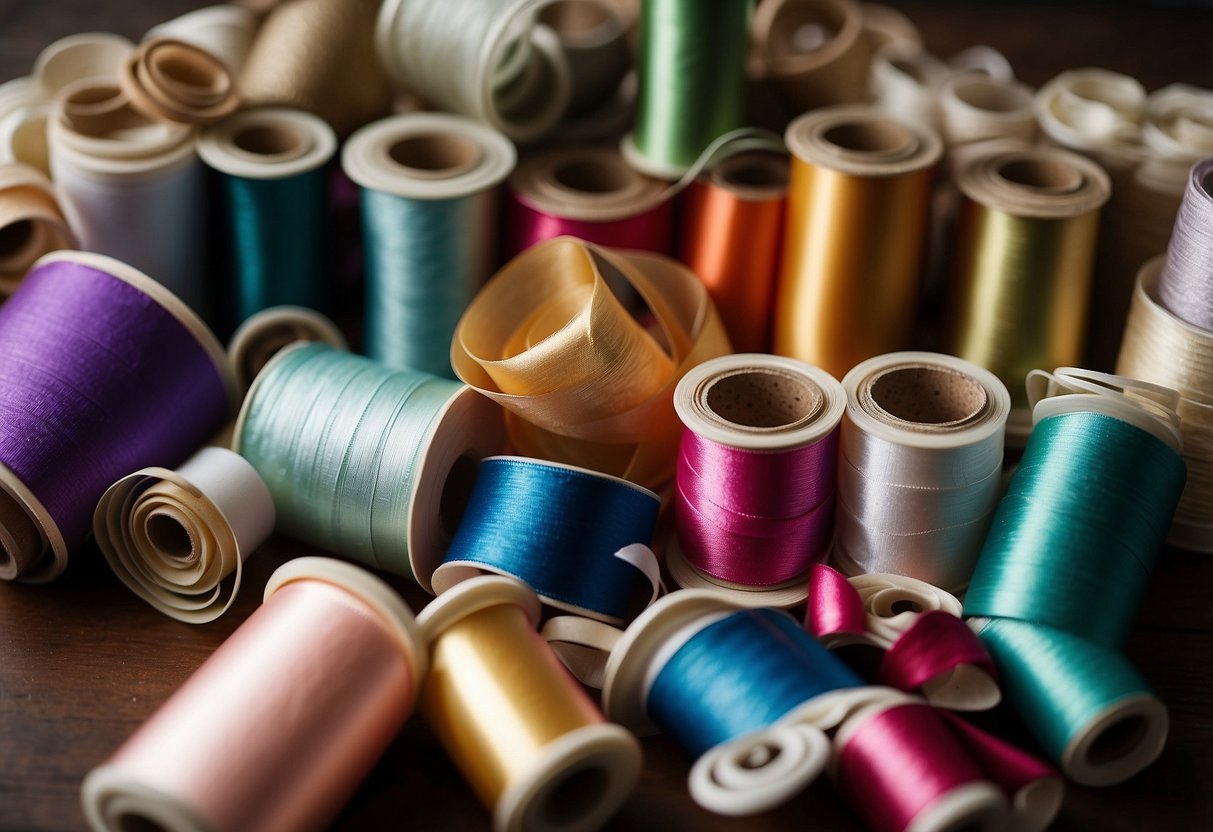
(218, 149)
(108, 793)
(1144, 751)
(470, 597)
(258, 327)
(805, 139)
(784, 595)
(40, 569)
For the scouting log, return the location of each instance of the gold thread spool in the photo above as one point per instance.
(1161, 348)
(531, 744)
(31, 223)
(1021, 264)
(319, 56)
(858, 205)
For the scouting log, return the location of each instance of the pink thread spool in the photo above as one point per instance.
(275, 731)
(755, 481)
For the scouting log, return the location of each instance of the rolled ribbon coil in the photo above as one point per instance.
(731, 235)
(31, 223)
(78, 57)
(131, 188)
(168, 79)
(262, 335)
(225, 31)
(119, 372)
(756, 468)
(515, 77)
(1022, 263)
(319, 56)
(365, 461)
(1095, 111)
(726, 683)
(428, 210)
(578, 538)
(272, 181)
(1177, 132)
(533, 747)
(582, 381)
(175, 537)
(842, 299)
(1163, 348)
(974, 108)
(920, 462)
(23, 119)
(276, 729)
(590, 193)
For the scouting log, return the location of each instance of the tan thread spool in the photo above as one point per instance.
(171, 80)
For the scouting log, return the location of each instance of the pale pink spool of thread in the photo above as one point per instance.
(275, 731)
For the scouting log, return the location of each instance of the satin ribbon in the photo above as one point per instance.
(582, 381)
(926, 645)
(577, 537)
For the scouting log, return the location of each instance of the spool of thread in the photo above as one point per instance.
(277, 728)
(754, 501)
(1185, 286)
(590, 193)
(974, 107)
(578, 538)
(31, 223)
(262, 335)
(734, 688)
(924, 644)
(532, 746)
(920, 466)
(225, 31)
(1164, 349)
(813, 52)
(271, 177)
(582, 381)
(484, 59)
(429, 204)
(905, 83)
(86, 55)
(131, 188)
(731, 234)
(1095, 111)
(1087, 706)
(175, 537)
(172, 80)
(319, 56)
(1021, 264)
(104, 372)
(842, 298)
(363, 460)
(691, 70)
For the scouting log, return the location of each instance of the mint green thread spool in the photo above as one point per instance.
(429, 210)
(691, 68)
(370, 463)
(271, 172)
(1086, 705)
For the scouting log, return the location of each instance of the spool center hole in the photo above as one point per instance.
(986, 95)
(763, 399)
(755, 170)
(904, 605)
(1117, 740)
(15, 236)
(928, 395)
(169, 536)
(269, 140)
(435, 153)
(574, 17)
(575, 796)
(87, 97)
(592, 177)
(868, 137)
(180, 68)
(128, 822)
(456, 492)
(1042, 175)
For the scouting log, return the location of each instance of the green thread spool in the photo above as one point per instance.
(429, 209)
(368, 462)
(1073, 543)
(1086, 705)
(691, 69)
(271, 176)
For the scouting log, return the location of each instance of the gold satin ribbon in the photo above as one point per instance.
(582, 381)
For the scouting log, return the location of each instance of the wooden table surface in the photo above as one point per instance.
(83, 662)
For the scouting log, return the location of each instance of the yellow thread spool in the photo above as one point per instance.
(531, 744)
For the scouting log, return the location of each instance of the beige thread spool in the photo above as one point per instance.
(172, 80)
(31, 223)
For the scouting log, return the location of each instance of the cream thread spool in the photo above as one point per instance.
(532, 745)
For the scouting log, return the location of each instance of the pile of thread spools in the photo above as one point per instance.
(654, 302)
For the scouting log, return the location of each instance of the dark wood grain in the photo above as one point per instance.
(83, 663)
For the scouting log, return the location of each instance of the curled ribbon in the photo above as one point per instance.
(582, 381)
(927, 646)
(171, 80)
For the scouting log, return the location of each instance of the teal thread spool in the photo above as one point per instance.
(271, 179)
(1064, 567)
(429, 208)
(368, 462)
(691, 68)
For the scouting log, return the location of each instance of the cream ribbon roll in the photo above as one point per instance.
(974, 107)
(87, 55)
(919, 471)
(225, 31)
(168, 79)
(31, 223)
(261, 336)
(176, 537)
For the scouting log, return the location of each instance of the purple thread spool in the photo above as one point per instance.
(103, 372)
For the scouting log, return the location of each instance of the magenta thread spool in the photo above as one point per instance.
(103, 372)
